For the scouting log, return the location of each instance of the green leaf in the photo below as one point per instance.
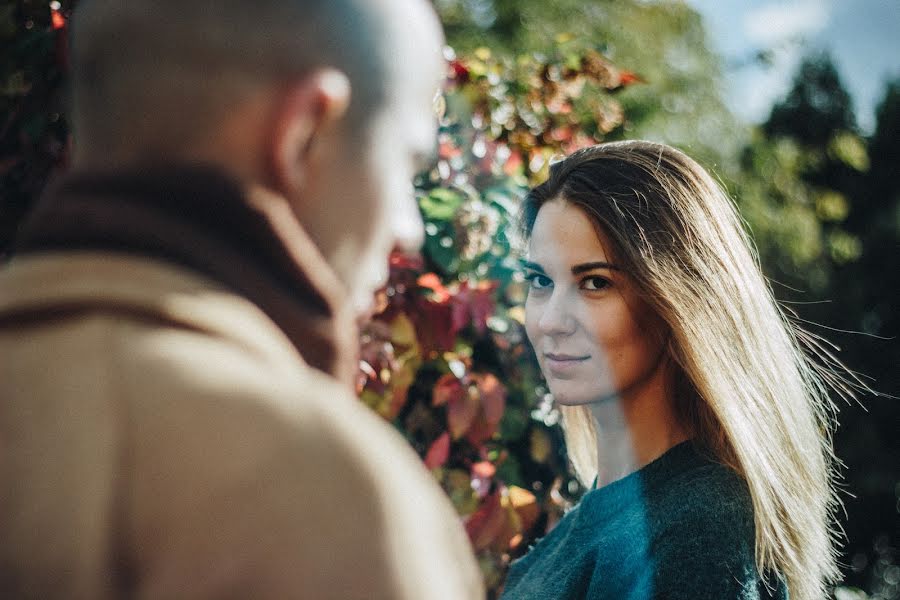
(510, 471)
(443, 254)
(513, 424)
(440, 204)
(850, 150)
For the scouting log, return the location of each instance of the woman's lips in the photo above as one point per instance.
(563, 363)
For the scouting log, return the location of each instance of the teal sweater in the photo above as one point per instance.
(680, 527)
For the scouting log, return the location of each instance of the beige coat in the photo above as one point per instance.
(160, 437)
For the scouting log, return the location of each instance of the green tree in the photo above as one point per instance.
(663, 42)
(817, 107)
(797, 183)
(866, 301)
(822, 202)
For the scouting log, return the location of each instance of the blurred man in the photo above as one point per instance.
(177, 322)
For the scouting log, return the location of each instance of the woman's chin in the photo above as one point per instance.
(571, 398)
(564, 399)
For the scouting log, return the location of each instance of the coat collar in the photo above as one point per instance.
(246, 239)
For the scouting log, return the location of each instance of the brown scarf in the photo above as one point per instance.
(197, 217)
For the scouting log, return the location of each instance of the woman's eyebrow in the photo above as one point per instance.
(590, 266)
(532, 266)
(576, 270)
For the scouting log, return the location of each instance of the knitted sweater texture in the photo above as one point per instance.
(680, 527)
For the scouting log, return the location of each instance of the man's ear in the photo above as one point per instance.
(308, 107)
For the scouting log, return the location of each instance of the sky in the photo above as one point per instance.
(863, 37)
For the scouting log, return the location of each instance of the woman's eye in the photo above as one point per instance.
(594, 284)
(536, 281)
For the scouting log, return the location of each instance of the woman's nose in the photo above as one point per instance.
(556, 317)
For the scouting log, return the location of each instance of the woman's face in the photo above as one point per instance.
(594, 337)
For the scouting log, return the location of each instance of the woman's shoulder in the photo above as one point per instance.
(704, 542)
(700, 492)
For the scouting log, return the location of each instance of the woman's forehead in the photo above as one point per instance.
(564, 234)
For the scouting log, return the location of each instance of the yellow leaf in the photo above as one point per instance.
(374, 401)
(403, 332)
(850, 150)
(539, 445)
(517, 313)
(483, 53)
(520, 497)
(832, 206)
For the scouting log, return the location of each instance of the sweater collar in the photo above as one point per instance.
(197, 217)
(636, 488)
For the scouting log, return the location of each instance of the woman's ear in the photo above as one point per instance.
(307, 107)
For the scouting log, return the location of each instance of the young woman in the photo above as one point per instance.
(689, 408)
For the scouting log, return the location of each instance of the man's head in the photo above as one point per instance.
(327, 102)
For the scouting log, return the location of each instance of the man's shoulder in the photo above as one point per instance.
(221, 438)
(137, 310)
(162, 344)
(215, 430)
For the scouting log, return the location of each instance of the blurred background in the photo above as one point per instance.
(795, 106)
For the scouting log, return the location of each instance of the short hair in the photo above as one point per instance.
(164, 71)
(745, 388)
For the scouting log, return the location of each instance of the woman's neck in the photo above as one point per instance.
(636, 427)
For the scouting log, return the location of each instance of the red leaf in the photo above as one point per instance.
(439, 452)
(486, 523)
(561, 134)
(446, 149)
(406, 261)
(513, 163)
(473, 304)
(459, 315)
(480, 432)
(482, 304)
(461, 412)
(433, 328)
(490, 402)
(447, 388)
(433, 283)
(57, 20)
(459, 71)
(628, 78)
(493, 398)
(484, 469)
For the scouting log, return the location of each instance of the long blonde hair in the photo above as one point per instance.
(747, 389)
